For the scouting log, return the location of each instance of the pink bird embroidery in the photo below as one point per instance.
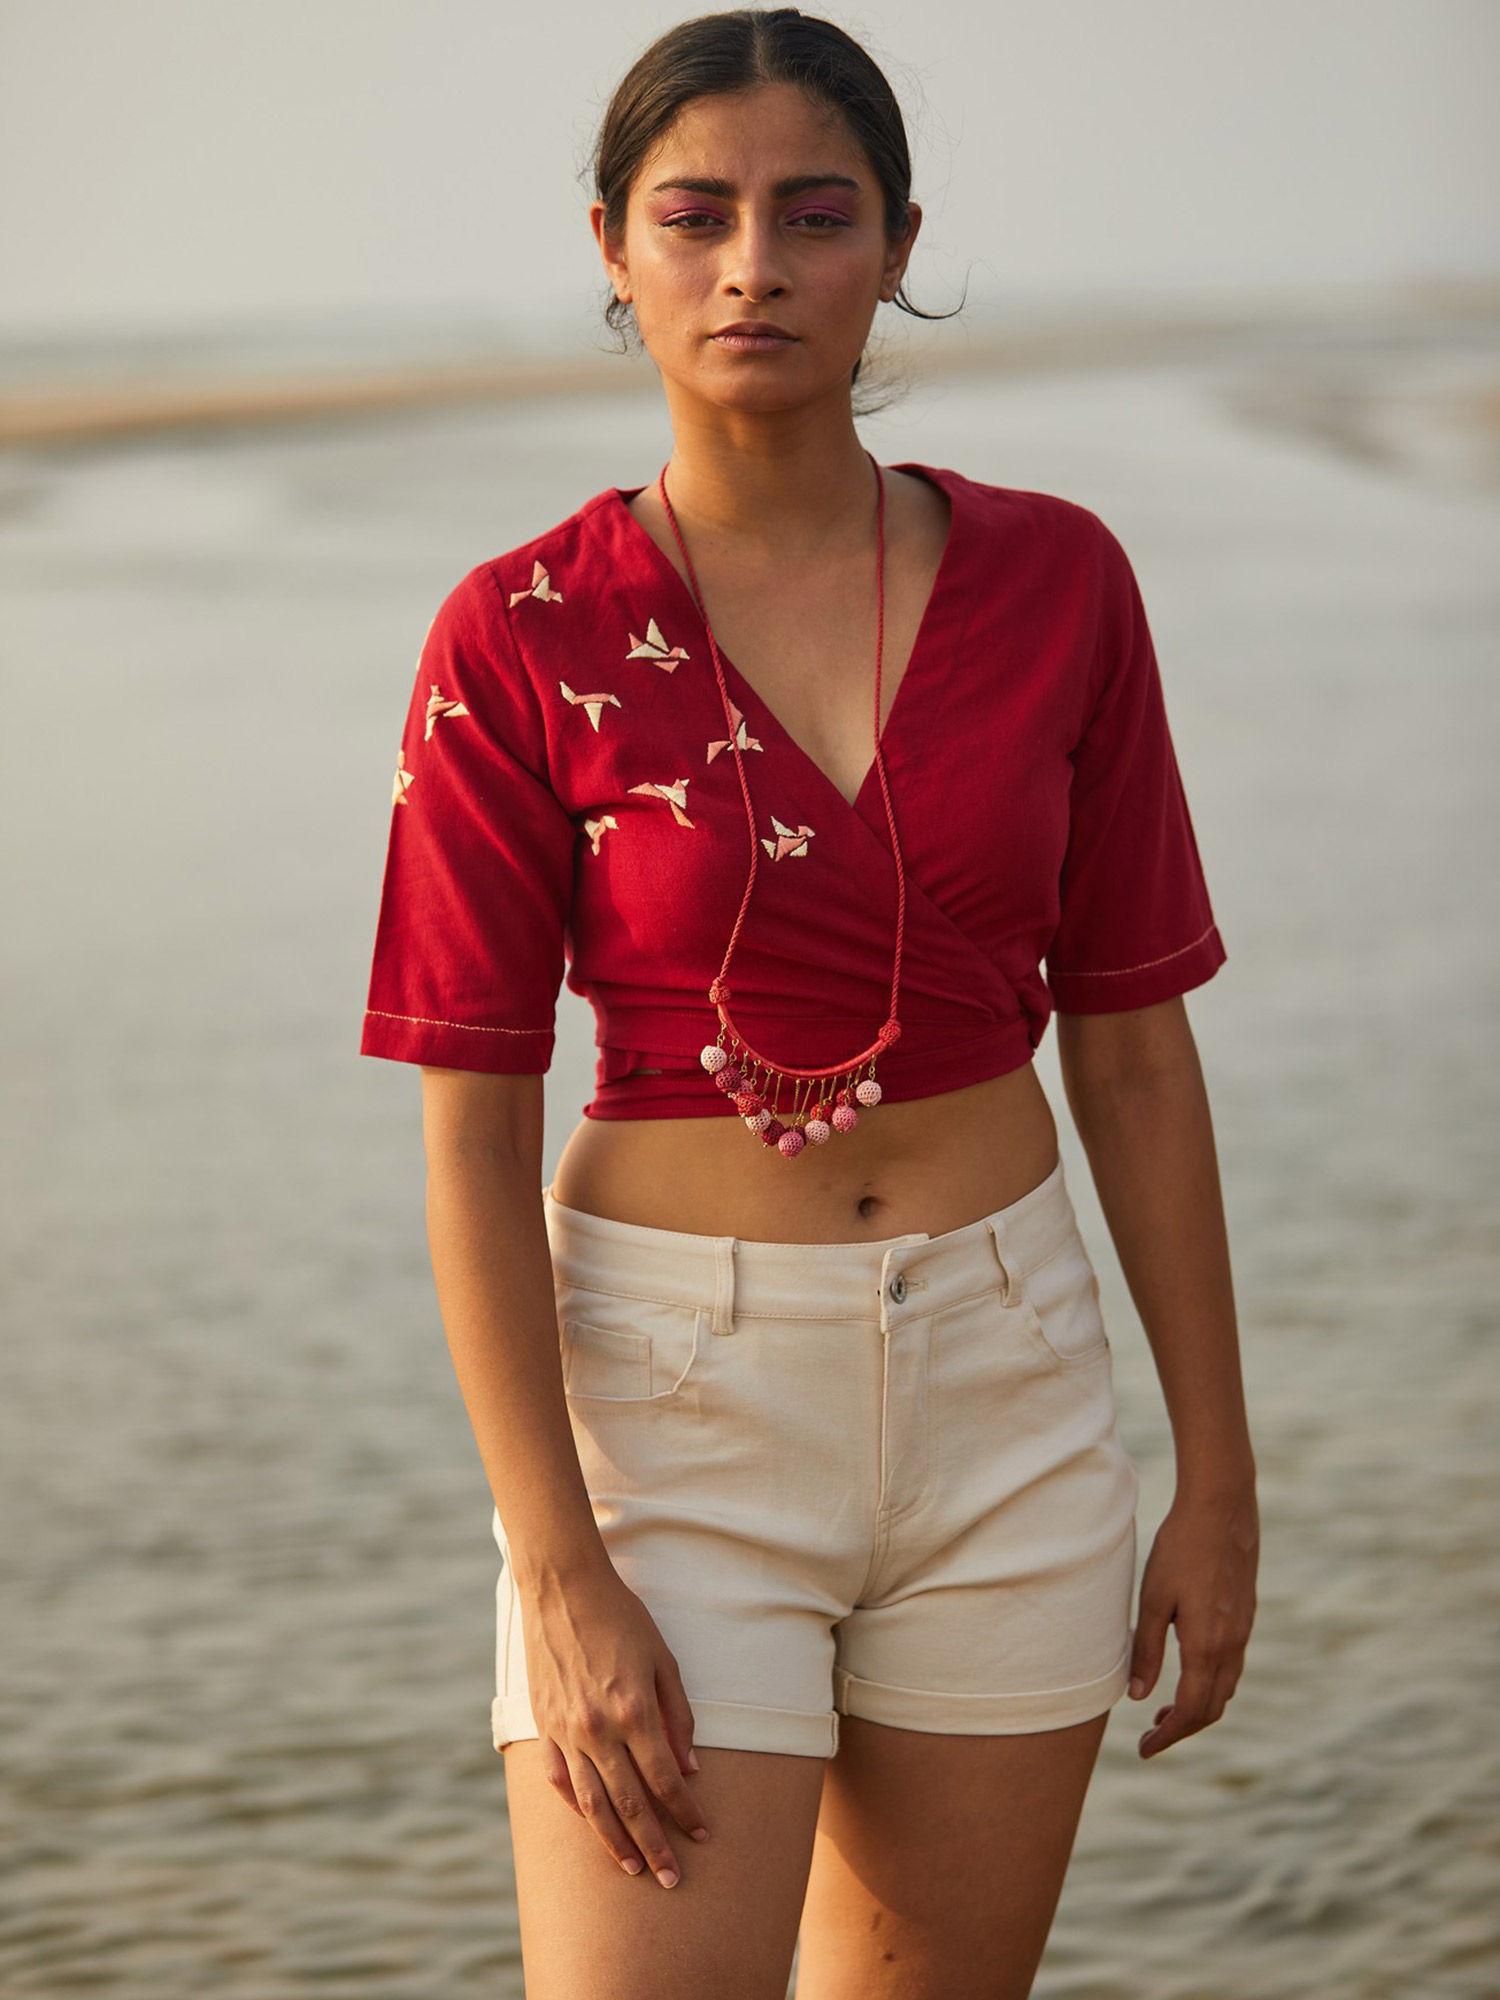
(594, 828)
(741, 736)
(655, 647)
(787, 841)
(593, 703)
(675, 795)
(540, 588)
(436, 706)
(403, 780)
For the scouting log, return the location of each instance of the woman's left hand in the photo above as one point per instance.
(1200, 1577)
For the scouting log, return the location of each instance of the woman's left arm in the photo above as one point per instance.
(1136, 1093)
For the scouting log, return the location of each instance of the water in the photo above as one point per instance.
(244, 1712)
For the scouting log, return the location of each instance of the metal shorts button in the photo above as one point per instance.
(898, 1287)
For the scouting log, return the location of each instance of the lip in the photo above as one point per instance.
(752, 336)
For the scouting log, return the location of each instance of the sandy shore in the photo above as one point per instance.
(62, 405)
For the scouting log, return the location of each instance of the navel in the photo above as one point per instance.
(867, 1205)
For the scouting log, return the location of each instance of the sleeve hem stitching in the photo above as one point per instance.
(471, 1027)
(1118, 971)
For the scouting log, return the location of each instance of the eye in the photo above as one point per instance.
(823, 221)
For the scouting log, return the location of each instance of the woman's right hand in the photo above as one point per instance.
(611, 1711)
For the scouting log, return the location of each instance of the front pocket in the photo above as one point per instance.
(1059, 1301)
(644, 1355)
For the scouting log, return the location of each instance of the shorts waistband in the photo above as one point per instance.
(885, 1279)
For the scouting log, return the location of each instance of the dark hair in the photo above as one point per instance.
(714, 54)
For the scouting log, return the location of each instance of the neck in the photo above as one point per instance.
(773, 497)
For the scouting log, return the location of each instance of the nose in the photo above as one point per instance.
(752, 267)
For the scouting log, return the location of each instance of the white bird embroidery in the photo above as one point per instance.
(436, 706)
(655, 647)
(594, 828)
(594, 703)
(675, 795)
(403, 779)
(786, 841)
(744, 739)
(540, 588)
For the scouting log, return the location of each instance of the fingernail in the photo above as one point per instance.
(667, 1877)
(692, 1758)
(1137, 1686)
(700, 1833)
(631, 1864)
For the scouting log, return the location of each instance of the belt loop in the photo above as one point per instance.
(723, 1316)
(1007, 1296)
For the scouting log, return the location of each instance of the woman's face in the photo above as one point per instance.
(756, 206)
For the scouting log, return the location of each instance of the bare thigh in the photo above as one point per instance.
(589, 1931)
(939, 1861)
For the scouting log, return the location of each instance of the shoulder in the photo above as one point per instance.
(537, 573)
(1062, 561)
(1025, 523)
(512, 602)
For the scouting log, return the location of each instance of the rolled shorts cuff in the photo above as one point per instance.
(729, 1725)
(981, 1714)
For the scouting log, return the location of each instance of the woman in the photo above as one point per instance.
(792, 1388)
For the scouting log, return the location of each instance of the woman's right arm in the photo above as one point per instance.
(604, 1687)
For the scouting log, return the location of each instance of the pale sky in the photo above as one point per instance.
(181, 162)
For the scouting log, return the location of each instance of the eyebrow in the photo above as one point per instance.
(793, 184)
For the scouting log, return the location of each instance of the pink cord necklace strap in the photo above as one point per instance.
(821, 1101)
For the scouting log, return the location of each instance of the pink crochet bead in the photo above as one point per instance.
(730, 1078)
(818, 1131)
(845, 1118)
(759, 1120)
(791, 1143)
(713, 1058)
(868, 1092)
(771, 1131)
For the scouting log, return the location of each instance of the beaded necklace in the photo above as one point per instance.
(822, 1101)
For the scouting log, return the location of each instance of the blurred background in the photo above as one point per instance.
(300, 319)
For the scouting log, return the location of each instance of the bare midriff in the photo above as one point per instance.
(929, 1164)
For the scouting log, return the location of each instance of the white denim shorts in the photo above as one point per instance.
(880, 1479)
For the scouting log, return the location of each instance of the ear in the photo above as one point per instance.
(900, 254)
(611, 252)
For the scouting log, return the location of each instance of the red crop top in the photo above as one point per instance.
(566, 800)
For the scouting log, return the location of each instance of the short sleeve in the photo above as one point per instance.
(477, 890)
(1136, 926)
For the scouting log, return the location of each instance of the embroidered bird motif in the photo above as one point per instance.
(540, 588)
(675, 795)
(594, 828)
(787, 841)
(593, 703)
(403, 779)
(437, 705)
(741, 736)
(655, 647)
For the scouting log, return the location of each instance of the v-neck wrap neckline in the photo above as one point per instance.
(925, 647)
